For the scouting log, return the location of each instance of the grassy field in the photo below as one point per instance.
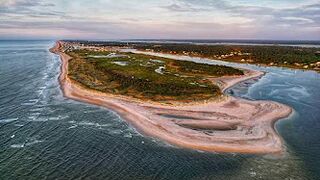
(146, 77)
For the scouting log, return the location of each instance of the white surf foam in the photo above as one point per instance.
(73, 126)
(8, 120)
(22, 145)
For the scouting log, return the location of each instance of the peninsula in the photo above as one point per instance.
(179, 102)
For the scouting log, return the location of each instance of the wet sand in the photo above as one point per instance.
(229, 125)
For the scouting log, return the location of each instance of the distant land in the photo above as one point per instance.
(213, 41)
(298, 56)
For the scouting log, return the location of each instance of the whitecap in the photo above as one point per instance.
(19, 125)
(57, 118)
(252, 173)
(93, 124)
(17, 145)
(33, 142)
(54, 118)
(30, 102)
(86, 123)
(39, 120)
(91, 111)
(73, 126)
(32, 117)
(8, 120)
(129, 135)
(40, 92)
(35, 114)
(22, 145)
(27, 104)
(116, 131)
(33, 100)
(36, 109)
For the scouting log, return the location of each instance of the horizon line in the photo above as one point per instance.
(155, 39)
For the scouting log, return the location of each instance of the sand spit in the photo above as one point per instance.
(231, 125)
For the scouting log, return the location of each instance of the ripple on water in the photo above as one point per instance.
(298, 92)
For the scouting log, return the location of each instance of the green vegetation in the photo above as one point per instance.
(192, 67)
(146, 77)
(272, 55)
(296, 57)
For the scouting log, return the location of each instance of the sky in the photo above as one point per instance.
(160, 19)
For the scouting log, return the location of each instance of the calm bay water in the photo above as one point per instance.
(46, 136)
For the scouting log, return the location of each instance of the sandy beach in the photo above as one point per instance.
(229, 125)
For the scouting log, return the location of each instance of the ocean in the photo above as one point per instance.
(44, 135)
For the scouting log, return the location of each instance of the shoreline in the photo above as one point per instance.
(237, 125)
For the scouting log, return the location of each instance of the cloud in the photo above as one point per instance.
(299, 15)
(281, 19)
(16, 4)
(27, 8)
(182, 7)
(298, 20)
(177, 7)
